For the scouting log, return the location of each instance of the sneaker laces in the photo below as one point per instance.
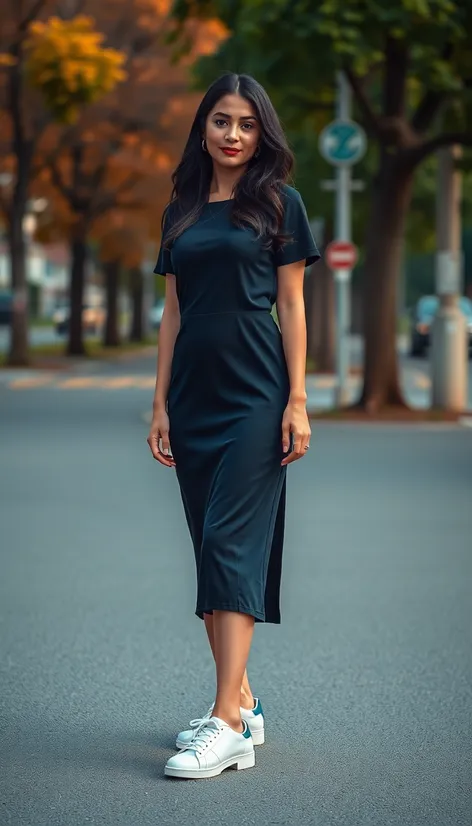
(204, 735)
(195, 723)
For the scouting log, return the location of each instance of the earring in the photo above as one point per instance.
(204, 145)
(257, 152)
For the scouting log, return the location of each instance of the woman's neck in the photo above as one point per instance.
(224, 181)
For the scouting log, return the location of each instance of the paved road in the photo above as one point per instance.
(367, 684)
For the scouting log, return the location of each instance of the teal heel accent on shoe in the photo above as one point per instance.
(258, 707)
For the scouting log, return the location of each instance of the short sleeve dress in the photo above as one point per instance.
(228, 390)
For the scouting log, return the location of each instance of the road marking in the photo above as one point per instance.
(145, 381)
(82, 382)
(30, 381)
(79, 383)
(118, 382)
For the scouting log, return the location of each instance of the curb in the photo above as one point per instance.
(66, 364)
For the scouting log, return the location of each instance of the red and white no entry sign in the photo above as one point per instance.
(341, 255)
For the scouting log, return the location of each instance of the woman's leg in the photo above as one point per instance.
(232, 636)
(247, 699)
(208, 620)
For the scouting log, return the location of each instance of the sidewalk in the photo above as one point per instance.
(321, 389)
(136, 368)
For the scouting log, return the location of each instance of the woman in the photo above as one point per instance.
(229, 411)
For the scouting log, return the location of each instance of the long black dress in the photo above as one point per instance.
(228, 390)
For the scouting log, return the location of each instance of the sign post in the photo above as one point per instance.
(343, 143)
(341, 256)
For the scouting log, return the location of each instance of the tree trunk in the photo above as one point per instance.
(23, 152)
(112, 278)
(19, 351)
(137, 299)
(391, 198)
(78, 250)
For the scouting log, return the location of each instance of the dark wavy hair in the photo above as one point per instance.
(258, 193)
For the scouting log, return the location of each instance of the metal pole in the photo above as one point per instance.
(343, 233)
(449, 328)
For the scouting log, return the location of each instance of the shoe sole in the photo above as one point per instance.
(245, 761)
(258, 739)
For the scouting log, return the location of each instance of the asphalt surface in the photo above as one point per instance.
(366, 684)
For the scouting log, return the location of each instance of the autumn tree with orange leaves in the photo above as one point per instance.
(50, 68)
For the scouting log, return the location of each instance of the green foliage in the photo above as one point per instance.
(300, 40)
(294, 47)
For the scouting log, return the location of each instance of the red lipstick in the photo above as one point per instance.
(230, 151)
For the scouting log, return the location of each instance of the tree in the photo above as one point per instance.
(410, 70)
(72, 68)
(20, 127)
(89, 173)
(66, 62)
(123, 238)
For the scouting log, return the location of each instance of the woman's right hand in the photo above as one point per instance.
(159, 430)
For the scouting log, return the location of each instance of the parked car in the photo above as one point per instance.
(155, 313)
(6, 301)
(93, 319)
(422, 318)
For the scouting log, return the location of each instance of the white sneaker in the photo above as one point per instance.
(254, 717)
(215, 746)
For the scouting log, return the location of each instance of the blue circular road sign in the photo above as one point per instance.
(342, 142)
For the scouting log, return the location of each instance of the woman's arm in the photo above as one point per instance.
(169, 328)
(291, 313)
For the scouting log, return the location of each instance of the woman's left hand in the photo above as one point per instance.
(295, 421)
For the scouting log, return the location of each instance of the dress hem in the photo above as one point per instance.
(259, 616)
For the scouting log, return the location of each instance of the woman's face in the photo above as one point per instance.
(232, 131)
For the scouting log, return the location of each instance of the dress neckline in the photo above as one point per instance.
(223, 201)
